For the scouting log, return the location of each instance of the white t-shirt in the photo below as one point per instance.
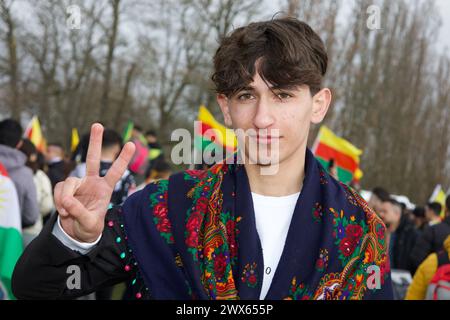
(273, 217)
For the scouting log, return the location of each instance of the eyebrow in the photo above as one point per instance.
(276, 87)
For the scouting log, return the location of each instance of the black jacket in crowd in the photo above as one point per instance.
(431, 240)
(404, 241)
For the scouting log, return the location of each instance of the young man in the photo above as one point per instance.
(433, 213)
(378, 196)
(401, 234)
(229, 232)
(432, 238)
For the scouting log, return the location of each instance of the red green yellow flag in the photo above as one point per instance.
(212, 130)
(329, 146)
(34, 133)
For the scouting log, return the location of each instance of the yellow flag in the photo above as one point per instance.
(439, 197)
(75, 139)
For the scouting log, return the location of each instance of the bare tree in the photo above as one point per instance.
(10, 61)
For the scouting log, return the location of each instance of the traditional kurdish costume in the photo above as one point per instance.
(194, 237)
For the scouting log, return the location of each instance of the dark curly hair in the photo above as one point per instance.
(289, 53)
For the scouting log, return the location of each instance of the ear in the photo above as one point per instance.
(223, 101)
(321, 103)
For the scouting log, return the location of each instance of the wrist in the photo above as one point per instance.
(81, 241)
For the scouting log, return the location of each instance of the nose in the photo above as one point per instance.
(263, 116)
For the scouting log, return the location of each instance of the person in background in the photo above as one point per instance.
(111, 146)
(14, 162)
(432, 238)
(79, 157)
(377, 197)
(332, 169)
(10, 240)
(433, 213)
(58, 167)
(161, 170)
(140, 161)
(42, 167)
(43, 190)
(155, 153)
(426, 272)
(401, 234)
(418, 217)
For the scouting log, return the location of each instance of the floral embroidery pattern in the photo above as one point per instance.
(350, 195)
(158, 201)
(323, 176)
(249, 275)
(347, 234)
(298, 292)
(317, 212)
(360, 244)
(322, 261)
(210, 234)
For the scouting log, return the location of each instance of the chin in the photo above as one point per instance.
(264, 160)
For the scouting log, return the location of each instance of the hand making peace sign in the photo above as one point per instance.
(82, 203)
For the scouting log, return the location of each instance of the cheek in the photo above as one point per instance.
(295, 122)
(241, 117)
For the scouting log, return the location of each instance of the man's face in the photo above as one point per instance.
(389, 213)
(429, 214)
(288, 111)
(53, 152)
(151, 138)
(374, 203)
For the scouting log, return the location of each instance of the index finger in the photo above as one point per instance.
(94, 150)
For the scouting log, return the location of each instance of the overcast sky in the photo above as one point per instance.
(444, 7)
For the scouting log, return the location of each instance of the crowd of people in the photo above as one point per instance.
(418, 240)
(418, 243)
(22, 162)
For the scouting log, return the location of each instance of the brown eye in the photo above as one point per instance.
(283, 95)
(244, 96)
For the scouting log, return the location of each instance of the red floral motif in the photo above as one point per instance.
(201, 204)
(231, 237)
(320, 264)
(193, 223)
(160, 210)
(192, 239)
(317, 212)
(252, 279)
(196, 174)
(220, 265)
(347, 246)
(163, 225)
(249, 275)
(354, 231)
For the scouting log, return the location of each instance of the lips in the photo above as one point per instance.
(265, 139)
